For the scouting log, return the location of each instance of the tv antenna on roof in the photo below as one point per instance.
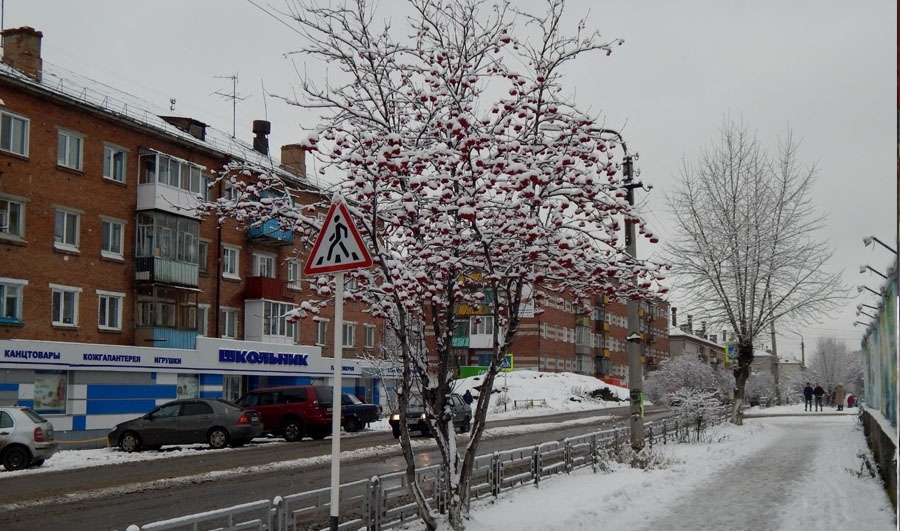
(233, 96)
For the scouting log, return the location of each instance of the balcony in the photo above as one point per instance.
(601, 326)
(161, 337)
(267, 288)
(166, 271)
(269, 233)
(583, 320)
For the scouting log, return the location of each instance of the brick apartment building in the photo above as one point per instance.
(115, 294)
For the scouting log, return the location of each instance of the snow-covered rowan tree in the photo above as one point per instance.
(760, 385)
(831, 363)
(744, 243)
(462, 198)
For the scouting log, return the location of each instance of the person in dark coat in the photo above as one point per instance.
(818, 393)
(467, 397)
(807, 397)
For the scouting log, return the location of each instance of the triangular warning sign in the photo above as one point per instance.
(338, 246)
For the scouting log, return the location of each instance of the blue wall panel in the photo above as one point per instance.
(9, 387)
(108, 407)
(79, 422)
(211, 379)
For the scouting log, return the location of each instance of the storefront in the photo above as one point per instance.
(80, 386)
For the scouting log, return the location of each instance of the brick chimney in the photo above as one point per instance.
(293, 159)
(22, 51)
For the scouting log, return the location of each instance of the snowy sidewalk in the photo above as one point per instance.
(778, 473)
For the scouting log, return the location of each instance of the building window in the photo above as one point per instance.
(112, 238)
(12, 217)
(11, 300)
(65, 305)
(114, 163)
(230, 262)
(13, 134)
(293, 271)
(229, 323)
(166, 307)
(369, 340)
(203, 256)
(349, 334)
(202, 319)
(65, 233)
(481, 325)
(321, 332)
(69, 150)
(171, 171)
(188, 387)
(110, 310)
(276, 321)
(263, 265)
(167, 236)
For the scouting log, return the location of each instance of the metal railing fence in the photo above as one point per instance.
(385, 502)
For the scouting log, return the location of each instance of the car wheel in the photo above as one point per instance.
(37, 462)
(16, 458)
(352, 424)
(130, 442)
(292, 430)
(218, 438)
(396, 432)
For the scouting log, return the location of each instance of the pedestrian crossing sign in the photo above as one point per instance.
(338, 246)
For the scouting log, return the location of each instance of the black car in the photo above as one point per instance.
(357, 413)
(193, 420)
(417, 420)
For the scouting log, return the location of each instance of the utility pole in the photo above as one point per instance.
(633, 340)
(775, 370)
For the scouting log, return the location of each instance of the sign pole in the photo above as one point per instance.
(336, 400)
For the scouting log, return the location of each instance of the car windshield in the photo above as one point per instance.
(351, 399)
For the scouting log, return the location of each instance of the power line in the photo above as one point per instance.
(276, 17)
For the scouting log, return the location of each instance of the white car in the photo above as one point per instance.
(26, 438)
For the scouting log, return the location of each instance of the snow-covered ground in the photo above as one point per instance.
(794, 470)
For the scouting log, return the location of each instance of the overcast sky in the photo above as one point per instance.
(823, 68)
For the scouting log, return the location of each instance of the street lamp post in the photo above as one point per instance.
(867, 240)
(802, 350)
(861, 288)
(862, 269)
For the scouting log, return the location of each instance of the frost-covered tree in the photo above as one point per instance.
(831, 363)
(681, 372)
(744, 243)
(760, 385)
(438, 133)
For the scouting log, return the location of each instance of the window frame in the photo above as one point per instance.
(25, 132)
(15, 286)
(348, 331)
(203, 256)
(368, 336)
(203, 320)
(264, 263)
(58, 314)
(64, 244)
(275, 321)
(6, 224)
(294, 275)
(231, 268)
(322, 332)
(111, 253)
(109, 296)
(110, 151)
(229, 323)
(64, 149)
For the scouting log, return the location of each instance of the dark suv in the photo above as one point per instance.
(417, 420)
(292, 412)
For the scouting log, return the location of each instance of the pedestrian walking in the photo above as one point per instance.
(818, 393)
(839, 395)
(807, 397)
(467, 397)
(851, 400)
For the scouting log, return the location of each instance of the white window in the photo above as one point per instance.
(351, 284)
(322, 332)
(112, 233)
(263, 265)
(349, 334)
(69, 150)
(293, 271)
(229, 322)
(65, 305)
(65, 234)
(482, 325)
(230, 262)
(13, 133)
(12, 217)
(202, 319)
(275, 320)
(114, 163)
(369, 331)
(110, 310)
(11, 299)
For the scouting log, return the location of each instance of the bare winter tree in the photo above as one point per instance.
(831, 363)
(745, 244)
(461, 197)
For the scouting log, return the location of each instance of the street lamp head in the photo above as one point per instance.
(867, 240)
(862, 269)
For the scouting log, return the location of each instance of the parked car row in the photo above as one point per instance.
(292, 412)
